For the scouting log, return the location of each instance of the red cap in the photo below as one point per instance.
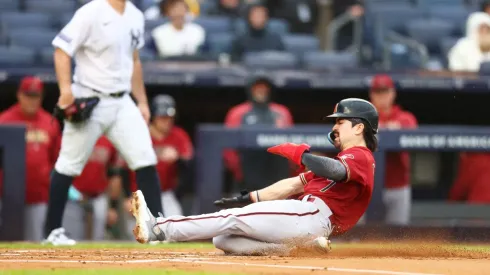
(31, 85)
(382, 81)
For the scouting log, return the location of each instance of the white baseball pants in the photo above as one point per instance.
(262, 225)
(117, 118)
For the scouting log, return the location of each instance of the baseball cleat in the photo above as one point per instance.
(57, 237)
(146, 229)
(322, 244)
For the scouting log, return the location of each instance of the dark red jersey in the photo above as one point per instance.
(349, 199)
(472, 181)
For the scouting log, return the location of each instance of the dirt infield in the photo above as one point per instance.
(395, 259)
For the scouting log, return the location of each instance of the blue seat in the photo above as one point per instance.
(455, 15)
(300, 43)
(9, 5)
(63, 20)
(371, 5)
(34, 39)
(430, 32)
(147, 55)
(50, 6)
(220, 42)
(214, 24)
(424, 4)
(19, 20)
(46, 56)
(271, 60)
(447, 43)
(329, 60)
(16, 56)
(485, 68)
(279, 26)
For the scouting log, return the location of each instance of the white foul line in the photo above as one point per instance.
(200, 260)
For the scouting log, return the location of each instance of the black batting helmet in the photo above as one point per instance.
(356, 108)
(163, 105)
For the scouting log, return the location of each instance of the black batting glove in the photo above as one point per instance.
(239, 201)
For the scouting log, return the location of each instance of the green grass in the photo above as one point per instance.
(106, 245)
(108, 272)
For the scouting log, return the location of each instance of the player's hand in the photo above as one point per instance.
(239, 201)
(291, 151)
(169, 154)
(66, 99)
(145, 111)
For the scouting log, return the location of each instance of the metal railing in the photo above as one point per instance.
(395, 38)
(336, 24)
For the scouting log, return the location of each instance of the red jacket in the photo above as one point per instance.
(43, 139)
(472, 182)
(397, 163)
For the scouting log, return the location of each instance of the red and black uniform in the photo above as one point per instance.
(397, 163)
(349, 199)
(94, 180)
(472, 183)
(43, 138)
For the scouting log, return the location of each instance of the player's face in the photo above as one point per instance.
(260, 92)
(383, 99)
(163, 123)
(345, 134)
(258, 17)
(29, 103)
(177, 13)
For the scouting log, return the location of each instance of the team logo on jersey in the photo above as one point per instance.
(135, 38)
(347, 156)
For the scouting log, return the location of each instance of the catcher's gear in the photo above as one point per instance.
(239, 201)
(355, 108)
(291, 151)
(79, 111)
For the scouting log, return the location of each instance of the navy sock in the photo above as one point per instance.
(149, 184)
(58, 196)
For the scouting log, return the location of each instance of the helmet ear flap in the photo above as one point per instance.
(331, 137)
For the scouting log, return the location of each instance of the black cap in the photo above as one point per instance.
(163, 105)
(357, 108)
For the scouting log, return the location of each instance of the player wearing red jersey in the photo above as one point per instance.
(334, 194)
(91, 188)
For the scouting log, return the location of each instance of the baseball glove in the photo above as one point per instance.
(238, 201)
(79, 111)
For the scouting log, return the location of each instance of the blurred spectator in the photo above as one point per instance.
(397, 195)
(302, 15)
(229, 8)
(472, 183)
(175, 153)
(43, 139)
(88, 194)
(355, 9)
(157, 10)
(179, 36)
(257, 168)
(257, 37)
(474, 48)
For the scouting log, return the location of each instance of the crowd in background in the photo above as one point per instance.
(99, 197)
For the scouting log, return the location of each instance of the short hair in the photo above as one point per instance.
(165, 5)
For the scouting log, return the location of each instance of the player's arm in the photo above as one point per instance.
(137, 84)
(280, 190)
(325, 167)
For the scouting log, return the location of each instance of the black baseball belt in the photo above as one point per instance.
(114, 95)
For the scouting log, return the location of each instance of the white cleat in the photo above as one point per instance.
(57, 237)
(322, 244)
(146, 229)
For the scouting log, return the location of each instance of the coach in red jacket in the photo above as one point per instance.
(43, 139)
(397, 194)
(255, 168)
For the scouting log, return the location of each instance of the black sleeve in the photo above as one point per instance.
(325, 167)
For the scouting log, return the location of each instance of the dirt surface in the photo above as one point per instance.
(395, 259)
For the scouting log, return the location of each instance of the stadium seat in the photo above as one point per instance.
(16, 56)
(270, 60)
(34, 39)
(424, 4)
(445, 46)
(371, 5)
(9, 5)
(329, 60)
(300, 43)
(220, 42)
(46, 56)
(147, 55)
(485, 68)
(63, 20)
(19, 20)
(50, 6)
(214, 24)
(276, 25)
(455, 15)
(430, 32)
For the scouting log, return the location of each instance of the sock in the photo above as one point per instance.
(58, 196)
(149, 184)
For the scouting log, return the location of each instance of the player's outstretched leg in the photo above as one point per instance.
(146, 229)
